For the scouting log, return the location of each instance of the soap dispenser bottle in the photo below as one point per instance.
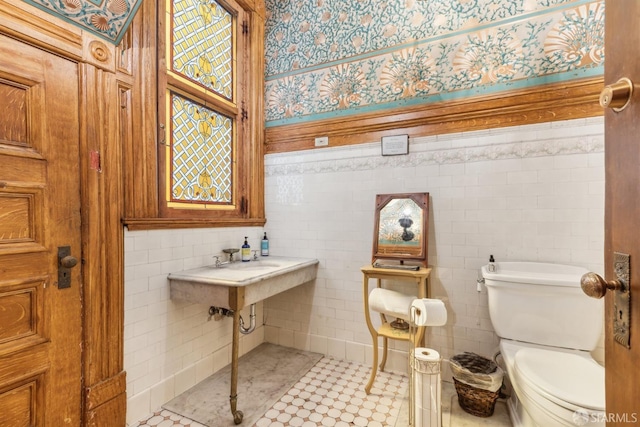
(246, 251)
(264, 245)
(491, 267)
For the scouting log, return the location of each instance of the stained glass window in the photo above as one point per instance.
(202, 44)
(201, 153)
(201, 109)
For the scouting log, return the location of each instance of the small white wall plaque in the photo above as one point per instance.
(395, 145)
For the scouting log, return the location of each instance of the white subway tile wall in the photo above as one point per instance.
(170, 345)
(532, 193)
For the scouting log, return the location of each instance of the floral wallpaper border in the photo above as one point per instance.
(108, 19)
(328, 59)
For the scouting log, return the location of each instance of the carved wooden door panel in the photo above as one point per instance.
(40, 320)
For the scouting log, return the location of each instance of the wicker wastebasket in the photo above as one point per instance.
(478, 381)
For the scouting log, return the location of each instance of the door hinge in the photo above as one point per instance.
(245, 27)
(162, 134)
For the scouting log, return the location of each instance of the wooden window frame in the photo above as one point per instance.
(171, 83)
(145, 163)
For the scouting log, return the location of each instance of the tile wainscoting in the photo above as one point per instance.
(531, 193)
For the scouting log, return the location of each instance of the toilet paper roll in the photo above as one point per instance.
(390, 302)
(427, 392)
(424, 354)
(429, 312)
(427, 388)
(426, 360)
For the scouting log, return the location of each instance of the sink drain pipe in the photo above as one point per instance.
(218, 313)
(252, 321)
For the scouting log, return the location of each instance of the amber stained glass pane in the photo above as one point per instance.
(203, 44)
(201, 153)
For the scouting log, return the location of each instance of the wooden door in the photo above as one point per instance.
(622, 208)
(40, 322)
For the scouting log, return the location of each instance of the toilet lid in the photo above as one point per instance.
(563, 377)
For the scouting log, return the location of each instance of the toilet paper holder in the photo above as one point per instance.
(422, 367)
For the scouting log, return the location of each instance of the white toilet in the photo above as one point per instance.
(547, 326)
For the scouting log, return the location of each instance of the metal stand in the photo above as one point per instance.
(411, 353)
(233, 395)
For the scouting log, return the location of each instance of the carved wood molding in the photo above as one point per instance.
(102, 392)
(103, 291)
(106, 402)
(99, 54)
(553, 102)
(27, 23)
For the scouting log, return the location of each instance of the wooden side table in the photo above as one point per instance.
(421, 279)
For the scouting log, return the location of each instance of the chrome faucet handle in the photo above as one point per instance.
(255, 255)
(217, 260)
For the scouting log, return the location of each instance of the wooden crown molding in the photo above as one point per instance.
(25, 22)
(553, 102)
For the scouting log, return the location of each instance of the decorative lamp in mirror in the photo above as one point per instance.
(401, 231)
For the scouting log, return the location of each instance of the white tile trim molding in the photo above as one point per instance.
(538, 140)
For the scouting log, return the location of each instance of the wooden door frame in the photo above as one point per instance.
(104, 381)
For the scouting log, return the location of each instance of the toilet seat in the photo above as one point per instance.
(568, 380)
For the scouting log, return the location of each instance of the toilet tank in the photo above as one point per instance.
(543, 303)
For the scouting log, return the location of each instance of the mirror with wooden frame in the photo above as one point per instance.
(401, 230)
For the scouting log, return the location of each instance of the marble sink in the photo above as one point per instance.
(254, 265)
(240, 284)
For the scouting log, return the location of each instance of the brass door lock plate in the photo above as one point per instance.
(65, 263)
(622, 299)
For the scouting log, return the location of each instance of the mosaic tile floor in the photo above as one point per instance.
(332, 394)
(164, 418)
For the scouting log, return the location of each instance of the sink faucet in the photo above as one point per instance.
(218, 263)
(230, 252)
